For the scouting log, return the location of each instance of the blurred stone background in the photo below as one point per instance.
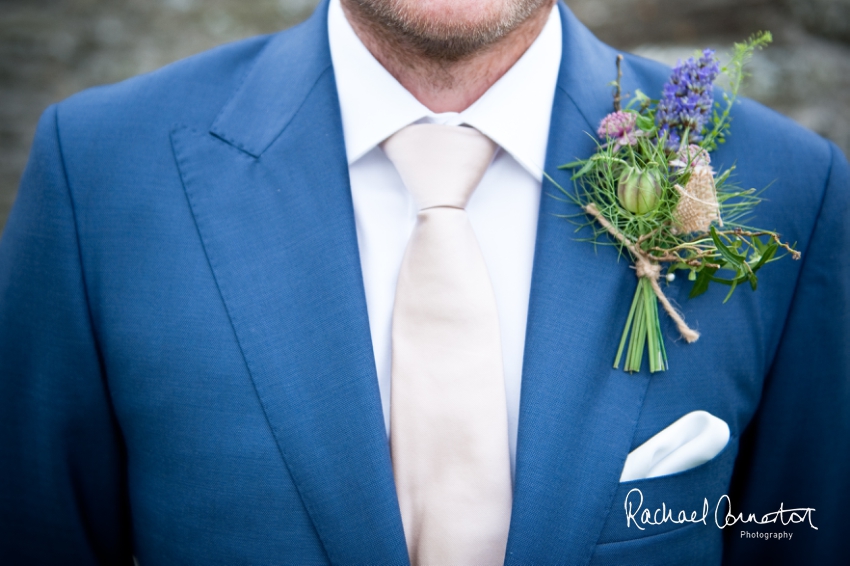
(50, 49)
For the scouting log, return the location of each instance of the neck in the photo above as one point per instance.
(444, 84)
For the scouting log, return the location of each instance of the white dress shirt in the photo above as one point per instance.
(503, 211)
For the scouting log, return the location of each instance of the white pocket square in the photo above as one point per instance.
(694, 439)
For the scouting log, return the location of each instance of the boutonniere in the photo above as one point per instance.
(651, 190)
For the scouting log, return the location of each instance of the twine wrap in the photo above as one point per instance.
(645, 267)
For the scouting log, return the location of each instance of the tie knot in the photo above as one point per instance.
(440, 165)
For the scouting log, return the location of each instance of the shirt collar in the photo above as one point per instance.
(514, 112)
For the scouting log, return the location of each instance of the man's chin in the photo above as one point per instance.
(448, 29)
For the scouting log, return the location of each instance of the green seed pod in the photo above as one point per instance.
(639, 190)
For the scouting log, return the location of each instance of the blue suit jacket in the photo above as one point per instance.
(187, 372)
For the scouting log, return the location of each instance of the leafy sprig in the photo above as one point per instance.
(640, 151)
(735, 73)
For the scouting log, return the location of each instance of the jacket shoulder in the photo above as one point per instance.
(191, 90)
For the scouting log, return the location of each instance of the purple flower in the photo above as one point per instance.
(687, 99)
(619, 127)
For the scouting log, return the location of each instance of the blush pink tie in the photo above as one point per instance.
(449, 425)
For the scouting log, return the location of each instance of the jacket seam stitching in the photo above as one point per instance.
(804, 259)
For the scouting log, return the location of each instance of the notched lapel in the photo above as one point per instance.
(578, 415)
(276, 220)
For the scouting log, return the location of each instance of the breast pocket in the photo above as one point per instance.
(668, 519)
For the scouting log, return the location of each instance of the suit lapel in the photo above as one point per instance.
(577, 414)
(268, 187)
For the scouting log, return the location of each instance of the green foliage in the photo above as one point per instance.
(644, 330)
(735, 74)
(730, 254)
(743, 255)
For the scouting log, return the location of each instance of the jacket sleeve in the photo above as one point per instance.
(62, 465)
(796, 450)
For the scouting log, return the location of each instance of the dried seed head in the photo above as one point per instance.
(698, 206)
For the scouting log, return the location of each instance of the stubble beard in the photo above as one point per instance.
(442, 40)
